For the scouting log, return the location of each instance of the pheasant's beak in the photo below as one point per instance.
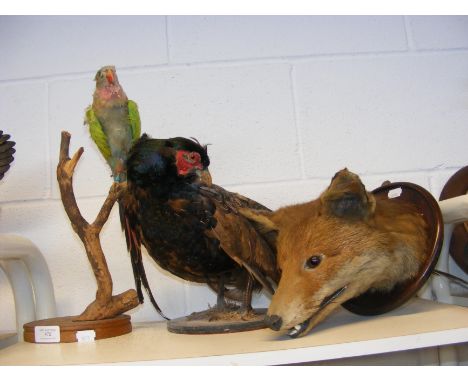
(205, 177)
(110, 77)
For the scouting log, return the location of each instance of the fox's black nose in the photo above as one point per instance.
(274, 322)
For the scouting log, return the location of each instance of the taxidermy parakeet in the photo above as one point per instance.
(190, 227)
(114, 121)
(6, 153)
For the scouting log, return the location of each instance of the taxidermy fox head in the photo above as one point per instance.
(337, 247)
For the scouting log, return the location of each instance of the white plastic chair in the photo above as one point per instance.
(29, 277)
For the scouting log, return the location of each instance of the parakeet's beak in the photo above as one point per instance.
(110, 77)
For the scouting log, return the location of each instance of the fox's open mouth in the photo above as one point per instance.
(301, 328)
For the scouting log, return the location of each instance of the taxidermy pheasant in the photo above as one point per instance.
(114, 121)
(191, 227)
(6, 153)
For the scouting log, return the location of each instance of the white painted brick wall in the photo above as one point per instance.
(245, 37)
(54, 45)
(395, 110)
(439, 32)
(284, 101)
(23, 110)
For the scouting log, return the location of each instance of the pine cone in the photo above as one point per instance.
(6, 153)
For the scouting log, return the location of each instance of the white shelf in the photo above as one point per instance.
(419, 324)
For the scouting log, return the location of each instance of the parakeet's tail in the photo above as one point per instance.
(134, 249)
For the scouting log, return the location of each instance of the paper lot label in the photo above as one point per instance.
(47, 333)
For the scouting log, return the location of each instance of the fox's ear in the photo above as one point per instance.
(262, 222)
(346, 197)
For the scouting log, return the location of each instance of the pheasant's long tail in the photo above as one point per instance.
(134, 249)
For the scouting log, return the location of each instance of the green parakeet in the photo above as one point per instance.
(114, 121)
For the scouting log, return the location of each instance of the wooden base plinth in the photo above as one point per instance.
(213, 321)
(107, 328)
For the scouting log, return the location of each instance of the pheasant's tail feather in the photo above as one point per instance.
(134, 249)
(144, 280)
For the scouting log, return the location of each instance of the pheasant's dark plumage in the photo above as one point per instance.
(6, 153)
(190, 227)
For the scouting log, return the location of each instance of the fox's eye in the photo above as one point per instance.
(313, 261)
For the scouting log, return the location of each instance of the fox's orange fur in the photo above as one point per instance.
(363, 244)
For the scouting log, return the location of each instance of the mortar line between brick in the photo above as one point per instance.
(243, 62)
(300, 151)
(168, 53)
(431, 182)
(306, 57)
(433, 173)
(395, 174)
(48, 156)
(409, 34)
(430, 173)
(28, 202)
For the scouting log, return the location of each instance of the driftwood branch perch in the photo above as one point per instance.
(105, 305)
